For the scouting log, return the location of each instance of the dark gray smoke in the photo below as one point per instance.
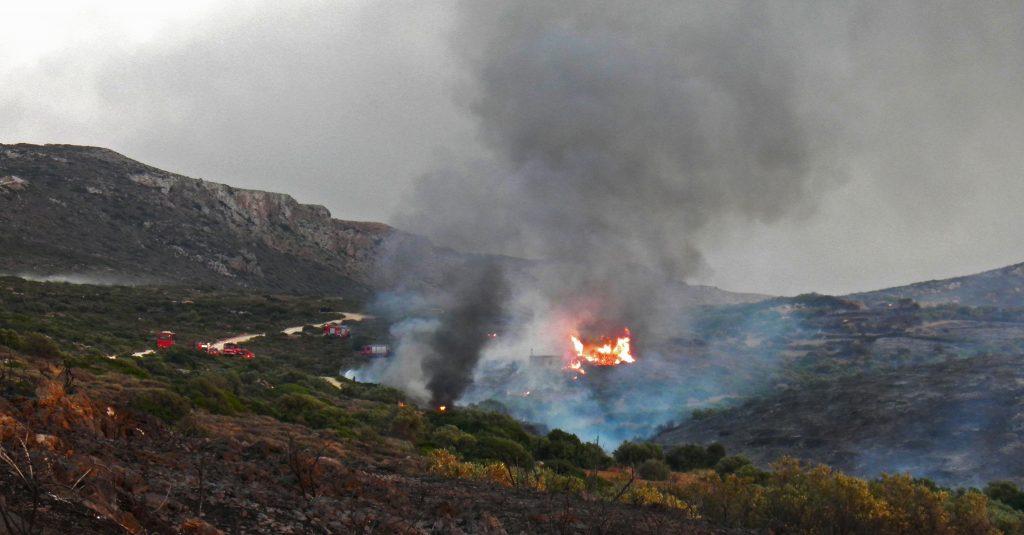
(473, 311)
(619, 132)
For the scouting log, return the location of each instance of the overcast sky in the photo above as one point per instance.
(914, 112)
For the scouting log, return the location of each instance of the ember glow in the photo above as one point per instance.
(603, 352)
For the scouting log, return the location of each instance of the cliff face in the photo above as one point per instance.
(92, 212)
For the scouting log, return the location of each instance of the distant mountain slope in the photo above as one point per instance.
(1003, 287)
(90, 212)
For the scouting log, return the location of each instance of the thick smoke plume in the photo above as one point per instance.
(617, 135)
(619, 132)
(473, 311)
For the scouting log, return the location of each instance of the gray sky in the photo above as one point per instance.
(909, 117)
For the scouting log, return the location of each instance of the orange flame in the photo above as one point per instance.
(604, 352)
(442, 408)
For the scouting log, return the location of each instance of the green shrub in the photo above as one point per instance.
(597, 484)
(308, 410)
(452, 438)
(408, 424)
(212, 394)
(1006, 492)
(565, 468)
(164, 404)
(292, 388)
(126, 366)
(654, 470)
(715, 452)
(30, 343)
(635, 453)
(692, 457)
(481, 423)
(504, 450)
(730, 464)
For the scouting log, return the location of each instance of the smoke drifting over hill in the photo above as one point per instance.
(621, 138)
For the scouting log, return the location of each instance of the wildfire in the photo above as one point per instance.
(442, 408)
(603, 352)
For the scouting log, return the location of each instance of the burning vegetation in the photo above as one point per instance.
(604, 351)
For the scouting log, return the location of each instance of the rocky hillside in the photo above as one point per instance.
(1003, 287)
(89, 214)
(93, 213)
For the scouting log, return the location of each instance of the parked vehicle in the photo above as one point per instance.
(375, 350)
(235, 350)
(337, 330)
(207, 347)
(164, 339)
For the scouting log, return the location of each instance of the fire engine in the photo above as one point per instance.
(375, 350)
(235, 350)
(164, 339)
(337, 330)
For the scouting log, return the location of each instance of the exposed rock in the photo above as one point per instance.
(12, 183)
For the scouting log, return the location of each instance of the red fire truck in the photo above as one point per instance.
(235, 350)
(337, 330)
(164, 339)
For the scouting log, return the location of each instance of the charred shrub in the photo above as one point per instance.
(159, 402)
(654, 470)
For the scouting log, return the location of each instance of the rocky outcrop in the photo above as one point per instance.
(91, 211)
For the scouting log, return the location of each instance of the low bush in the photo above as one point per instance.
(162, 403)
(408, 424)
(730, 464)
(693, 457)
(503, 450)
(561, 466)
(654, 470)
(212, 394)
(30, 343)
(1006, 492)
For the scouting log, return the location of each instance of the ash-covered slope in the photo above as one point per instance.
(93, 213)
(933, 390)
(1003, 287)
